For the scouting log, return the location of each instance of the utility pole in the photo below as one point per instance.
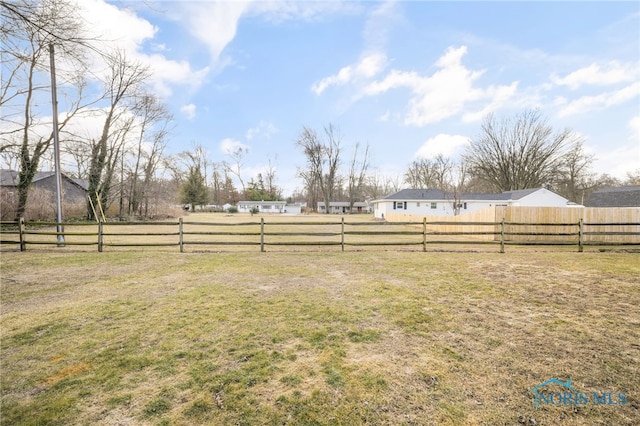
(56, 149)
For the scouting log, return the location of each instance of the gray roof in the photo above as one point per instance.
(619, 196)
(83, 183)
(436, 194)
(344, 204)
(419, 194)
(10, 178)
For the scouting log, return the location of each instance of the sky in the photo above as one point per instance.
(409, 78)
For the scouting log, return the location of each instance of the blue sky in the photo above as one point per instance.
(409, 78)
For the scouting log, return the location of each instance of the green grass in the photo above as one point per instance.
(319, 338)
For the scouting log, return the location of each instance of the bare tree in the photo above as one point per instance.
(357, 174)
(122, 83)
(429, 172)
(217, 184)
(270, 181)
(236, 165)
(323, 160)
(633, 177)
(311, 191)
(456, 184)
(377, 186)
(152, 117)
(520, 152)
(575, 180)
(153, 157)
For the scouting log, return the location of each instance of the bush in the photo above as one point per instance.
(232, 209)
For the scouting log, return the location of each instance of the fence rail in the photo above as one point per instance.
(317, 233)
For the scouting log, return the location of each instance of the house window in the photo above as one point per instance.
(465, 206)
(434, 205)
(418, 204)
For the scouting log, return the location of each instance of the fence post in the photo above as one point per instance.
(262, 234)
(580, 242)
(342, 233)
(180, 235)
(424, 234)
(100, 236)
(21, 230)
(502, 236)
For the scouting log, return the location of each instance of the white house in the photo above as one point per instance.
(434, 202)
(294, 208)
(261, 206)
(343, 207)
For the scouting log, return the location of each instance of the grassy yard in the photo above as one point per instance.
(316, 338)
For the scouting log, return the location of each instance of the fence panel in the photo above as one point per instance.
(514, 227)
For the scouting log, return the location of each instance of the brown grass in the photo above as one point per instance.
(316, 338)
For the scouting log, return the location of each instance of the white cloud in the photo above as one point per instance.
(264, 128)
(368, 66)
(167, 73)
(622, 158)
(189, 111)
(613, 72)
(634, 126)
(122, 29)
(618, 161)
(229, 145)
(214, 23)
(378, 24)
(499, 95)
(444, 144)
(444, 93)
(118, 28)
(598, 102)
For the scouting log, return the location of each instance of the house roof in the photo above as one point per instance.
(10, 178)
(343, 204)
(436, 194)
(619, 196)
(419, 194)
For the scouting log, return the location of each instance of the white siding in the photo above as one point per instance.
(539, 198)
(263, 206)
(542, 198)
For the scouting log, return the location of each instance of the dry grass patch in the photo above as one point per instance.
(315, 338)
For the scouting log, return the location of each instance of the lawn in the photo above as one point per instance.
(318, 338)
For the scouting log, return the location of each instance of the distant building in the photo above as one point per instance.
(434, 202)
(261, 206)
(42, 195)
(73, 190)
(340, 207)
(294, 208)
(619, 196)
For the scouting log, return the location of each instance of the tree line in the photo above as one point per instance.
(522, 151)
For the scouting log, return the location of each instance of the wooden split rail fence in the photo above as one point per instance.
(20, 234)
